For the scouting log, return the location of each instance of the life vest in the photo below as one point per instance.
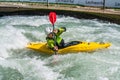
(50, 41)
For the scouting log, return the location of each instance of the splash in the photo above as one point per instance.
(24, 64)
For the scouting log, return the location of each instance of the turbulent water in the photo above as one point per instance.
(19, 63)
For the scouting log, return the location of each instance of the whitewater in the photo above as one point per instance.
(19, 63)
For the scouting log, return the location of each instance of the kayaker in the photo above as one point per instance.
(54, 41)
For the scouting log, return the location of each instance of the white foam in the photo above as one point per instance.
(11, 38)
(30, 20)
(103, 78)
(30, 67)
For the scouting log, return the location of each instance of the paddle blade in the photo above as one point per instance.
(52, 17)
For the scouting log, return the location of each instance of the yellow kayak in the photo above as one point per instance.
(71, 48)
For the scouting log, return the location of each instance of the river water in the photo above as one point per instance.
(20, 63)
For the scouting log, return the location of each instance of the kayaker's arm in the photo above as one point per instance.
(51, 44)
(60, 31)
(55, 48)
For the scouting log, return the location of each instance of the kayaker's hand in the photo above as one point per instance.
(63, 28)
(56, 48)
(55, 31)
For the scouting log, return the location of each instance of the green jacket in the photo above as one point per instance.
(51, 42)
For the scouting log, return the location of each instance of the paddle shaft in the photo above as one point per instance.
(54, 39)
(52, 18)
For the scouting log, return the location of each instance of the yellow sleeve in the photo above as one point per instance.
(61, 30)
(50, 43)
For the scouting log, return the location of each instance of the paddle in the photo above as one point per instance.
(52, 18)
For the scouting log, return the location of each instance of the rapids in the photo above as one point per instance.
(19, 63)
